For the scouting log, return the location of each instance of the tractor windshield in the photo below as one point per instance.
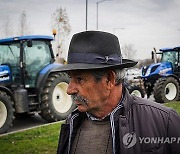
(9, 54)
(170, 56)
(36, 58)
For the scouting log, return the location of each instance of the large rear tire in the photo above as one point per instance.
(6, 113)
(166, 89)
(56, 103)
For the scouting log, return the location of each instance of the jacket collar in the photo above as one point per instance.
(127, 102)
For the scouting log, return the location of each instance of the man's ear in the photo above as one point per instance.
(110, 79)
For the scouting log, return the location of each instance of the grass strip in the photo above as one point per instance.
(174, 105)
(41, 140)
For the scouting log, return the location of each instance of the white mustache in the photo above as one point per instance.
(79, 98)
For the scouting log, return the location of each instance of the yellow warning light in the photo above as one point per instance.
(54, 32)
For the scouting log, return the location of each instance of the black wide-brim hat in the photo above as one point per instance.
(95, 50)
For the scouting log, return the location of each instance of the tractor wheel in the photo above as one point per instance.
(6, 113)
(56, 103)
(136, 91)
(166, 90)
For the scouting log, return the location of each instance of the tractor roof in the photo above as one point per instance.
(169, 49)
(27, 37)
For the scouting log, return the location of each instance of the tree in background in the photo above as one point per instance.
(144, 62)
(60, 22)
(23, 28)
(128, 51)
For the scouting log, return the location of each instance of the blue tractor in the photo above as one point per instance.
(30, 82)
(162, 79)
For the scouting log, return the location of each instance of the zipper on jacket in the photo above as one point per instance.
(113, 126)
(71, 130)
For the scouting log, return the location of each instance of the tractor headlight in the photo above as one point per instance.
(148, 72)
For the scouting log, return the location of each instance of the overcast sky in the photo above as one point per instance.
(143, 23)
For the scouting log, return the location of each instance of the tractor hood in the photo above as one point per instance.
(162, 69)
(5, 75)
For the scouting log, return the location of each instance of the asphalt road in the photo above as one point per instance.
(26, 122)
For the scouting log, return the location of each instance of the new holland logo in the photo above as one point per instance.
(4, 75)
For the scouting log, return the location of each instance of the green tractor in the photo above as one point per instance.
(30, 82)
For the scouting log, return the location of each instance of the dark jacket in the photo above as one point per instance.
(140, 127)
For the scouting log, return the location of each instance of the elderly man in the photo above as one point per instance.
(108, 120)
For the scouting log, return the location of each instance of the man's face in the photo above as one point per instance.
(89, 95)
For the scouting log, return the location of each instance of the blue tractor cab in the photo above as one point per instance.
(25, 56)
(30, 81)
(162, 79)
